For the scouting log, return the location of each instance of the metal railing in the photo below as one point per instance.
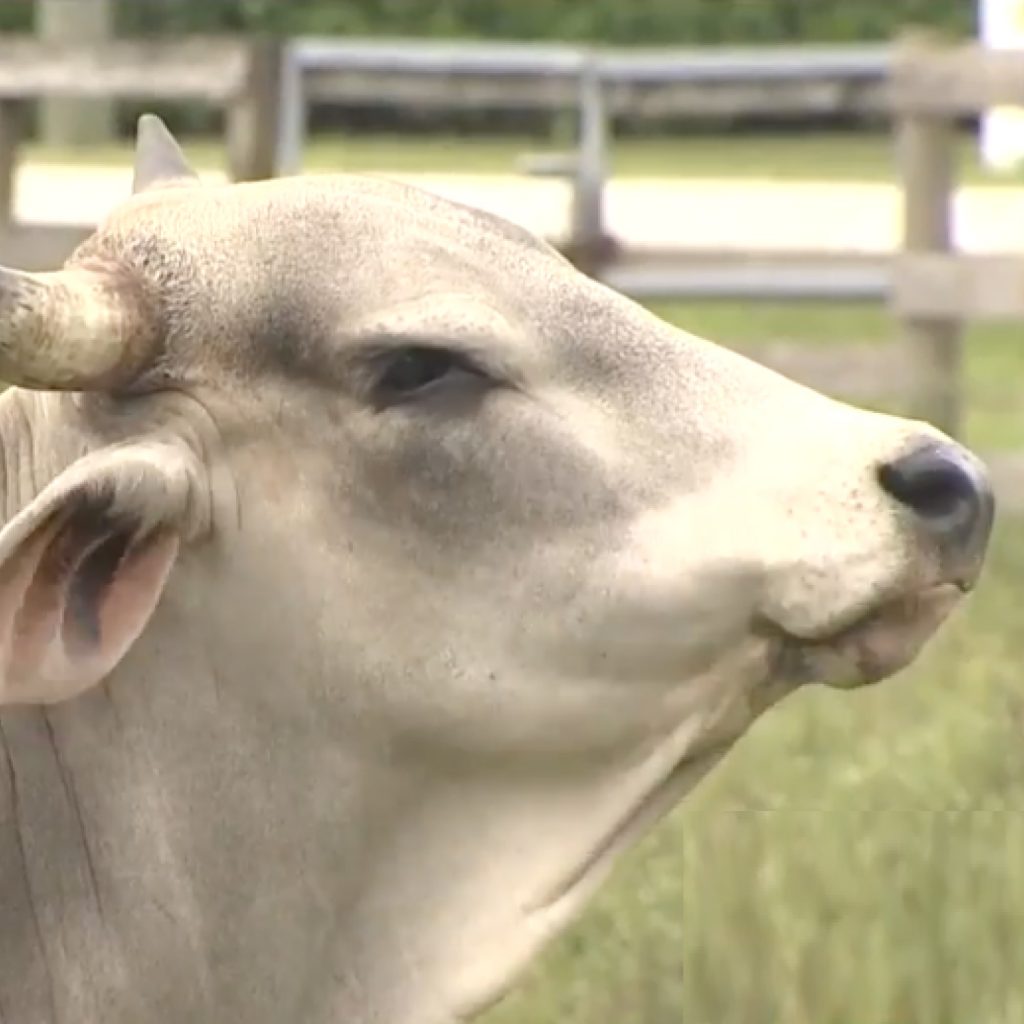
(547, 76)
(596, 83)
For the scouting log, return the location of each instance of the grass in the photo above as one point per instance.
(835, 156)
(859, 858)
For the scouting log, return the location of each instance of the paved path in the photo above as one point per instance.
(760, 214)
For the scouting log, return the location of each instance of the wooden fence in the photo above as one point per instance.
(936, 290)
(242, 76)
(932, 290)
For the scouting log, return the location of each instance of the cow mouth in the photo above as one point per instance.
(875, 645)
(870, 647)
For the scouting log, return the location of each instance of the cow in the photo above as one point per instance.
(371, 578)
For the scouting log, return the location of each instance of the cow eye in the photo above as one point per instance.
(410, 370)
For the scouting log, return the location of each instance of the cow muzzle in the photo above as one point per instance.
(950, 497)
(946, 497)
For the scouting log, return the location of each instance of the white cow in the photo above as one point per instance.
(369, 579)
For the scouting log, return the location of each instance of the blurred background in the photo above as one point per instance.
(831, 186)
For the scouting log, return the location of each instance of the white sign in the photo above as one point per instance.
(1001, 27)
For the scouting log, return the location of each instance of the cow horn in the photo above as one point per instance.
(75, 329)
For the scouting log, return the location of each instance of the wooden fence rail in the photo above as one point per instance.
(242, 76)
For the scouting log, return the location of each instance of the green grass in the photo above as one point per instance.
(859, 858)
(829, 156)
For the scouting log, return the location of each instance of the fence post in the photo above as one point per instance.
(925, 156)
(292, 112)
(587, 219)
(72, 120)
(252, 115)
(10, 138)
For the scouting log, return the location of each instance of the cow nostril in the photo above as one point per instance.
(948, 492)
(932, 487)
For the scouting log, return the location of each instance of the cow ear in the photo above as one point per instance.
(159, 160)
(83, 567)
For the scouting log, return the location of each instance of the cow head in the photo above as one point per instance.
(420, 573)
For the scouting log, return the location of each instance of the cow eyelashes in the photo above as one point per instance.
(414, 369)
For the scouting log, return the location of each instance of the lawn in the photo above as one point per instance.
(859, 859)
(823, 155)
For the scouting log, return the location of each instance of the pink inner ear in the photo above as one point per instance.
(133, 593)
(73, 599)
